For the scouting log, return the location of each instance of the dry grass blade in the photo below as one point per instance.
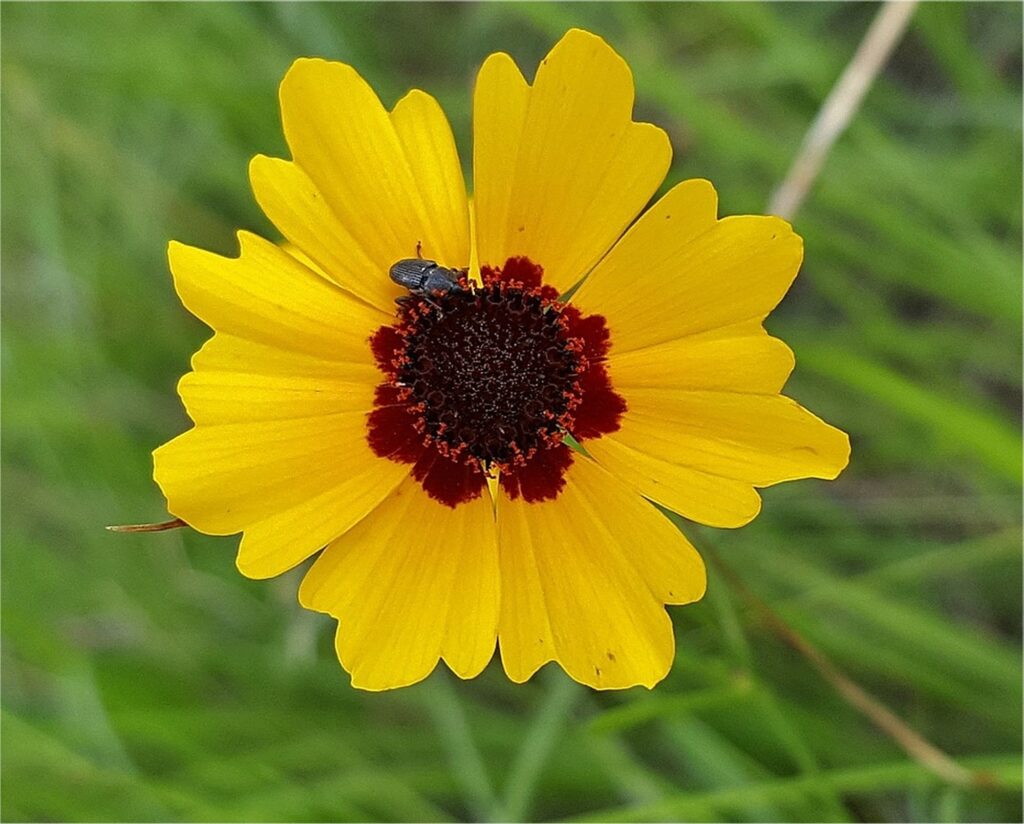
(163, 526)
(841, 105)
(911, 742)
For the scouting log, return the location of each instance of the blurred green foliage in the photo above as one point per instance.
(144, 679)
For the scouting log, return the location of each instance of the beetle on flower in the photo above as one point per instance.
(424, 446)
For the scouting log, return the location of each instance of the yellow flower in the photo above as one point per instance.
(423, 443)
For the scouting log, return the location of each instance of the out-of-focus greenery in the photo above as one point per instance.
(145, 679)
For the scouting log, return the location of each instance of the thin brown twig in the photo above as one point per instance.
(177, 523)
(910, 741)
(841, 105)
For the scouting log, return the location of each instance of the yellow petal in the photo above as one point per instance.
(415, 582)
(584, 579)
(227, 353)
(371, 174)
(700, 496)
(753, 362)
(224, 478)
(499, 110)
(677, 272)
(429, 145)
(237, 397)
(287, 538)
(267, 296)
(302, 214)
(760, 439)
(560, 169)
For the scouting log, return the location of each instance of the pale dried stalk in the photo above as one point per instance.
(841, 105)
(834, 116)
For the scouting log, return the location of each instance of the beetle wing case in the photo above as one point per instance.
(411, 272)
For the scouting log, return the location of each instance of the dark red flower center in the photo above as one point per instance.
(488, 380)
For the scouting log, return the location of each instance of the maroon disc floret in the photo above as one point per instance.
(488, 380)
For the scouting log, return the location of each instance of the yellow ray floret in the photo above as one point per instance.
(413, 583)
(584, 582)
(560, 169)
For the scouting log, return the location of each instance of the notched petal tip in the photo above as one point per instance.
(786, 358)
(370, 679)
(371, 676)
(823, 454)
(829, 445)
(699, 580)
(580, 39)
(773, 236)
(267, 560)
(838, 457)
(502, 59)
(522, 677)
(370, 684)
(772, 226)
(583, 34)
(260, 166)
(699, 190)
(315, 75)
(182, 255)
(304, 67)
(741, 520)
(652, 141)
(256, 569)
(601, 678)
(497, 70)
(415, 97)
(301, 62)
(165, 462)
(466, 672)
(595, 678)
(309, 595)
(173, 248)
(582, 49)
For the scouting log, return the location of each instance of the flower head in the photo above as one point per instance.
(426, 437)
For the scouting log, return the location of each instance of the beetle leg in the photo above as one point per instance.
(436, 305)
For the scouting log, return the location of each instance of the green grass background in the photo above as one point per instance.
(145, 679)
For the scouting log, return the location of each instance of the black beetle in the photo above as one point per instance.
(424, 278)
